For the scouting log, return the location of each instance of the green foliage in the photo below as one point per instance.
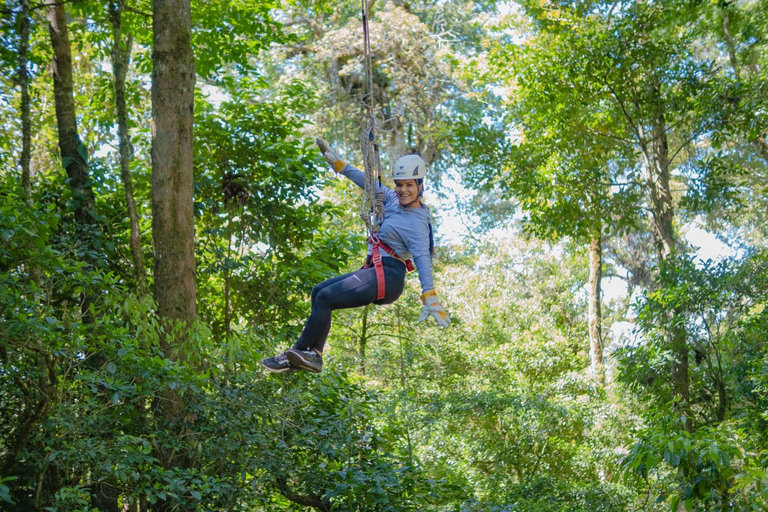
(697, 469)
(551, 495)
(720, 306)
(262, 235)
(714, 303)
(495, 414)
(221, 48)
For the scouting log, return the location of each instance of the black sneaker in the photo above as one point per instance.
(305, 359)
(278, 364)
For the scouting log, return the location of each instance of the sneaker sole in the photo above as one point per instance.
(296, 360)
(279, 370)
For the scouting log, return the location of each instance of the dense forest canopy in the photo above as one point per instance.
(165, 215)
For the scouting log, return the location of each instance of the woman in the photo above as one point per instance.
(405, 233)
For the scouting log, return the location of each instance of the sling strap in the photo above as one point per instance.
(375, 262)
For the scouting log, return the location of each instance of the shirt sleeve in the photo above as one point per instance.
(358, 178)
(419, 247)
(354, 174)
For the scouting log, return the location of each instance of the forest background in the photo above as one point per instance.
(165, 215)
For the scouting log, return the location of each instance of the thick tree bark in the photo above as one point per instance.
(121, 55)
(26, 126)
(173, 222)
(594, 291)
(73, 153)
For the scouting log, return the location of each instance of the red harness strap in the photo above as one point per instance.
(375, 262)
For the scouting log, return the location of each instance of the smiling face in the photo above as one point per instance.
(408, 193)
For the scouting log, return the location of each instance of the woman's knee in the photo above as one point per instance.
(321, 296)
(317, 289)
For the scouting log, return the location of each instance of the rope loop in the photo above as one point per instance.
(372, 208)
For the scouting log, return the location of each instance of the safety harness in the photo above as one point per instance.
(374, 260)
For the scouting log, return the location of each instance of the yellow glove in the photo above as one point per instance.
(337, 163)
(432, 307)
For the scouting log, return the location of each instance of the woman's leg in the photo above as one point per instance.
(351, 290)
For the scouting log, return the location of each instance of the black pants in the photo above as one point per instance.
(351, 290)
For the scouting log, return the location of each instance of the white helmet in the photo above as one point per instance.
(409, 167)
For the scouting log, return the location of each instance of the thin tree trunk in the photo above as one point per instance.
(658, 183)
(228, 277)
(657, 180)
(26, 126)
(758, 141)
(73, 153)
(35, 408)
(173, 222)
(363, 339)
(594, 286)
(121, 56)
(729, 41)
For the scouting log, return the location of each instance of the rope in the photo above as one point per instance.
(372, 208)
(368, 62)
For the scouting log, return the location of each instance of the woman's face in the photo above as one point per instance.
(407, 192)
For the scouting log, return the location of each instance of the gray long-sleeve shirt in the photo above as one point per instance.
(405, 230)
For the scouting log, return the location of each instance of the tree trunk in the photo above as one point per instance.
(363, 339)
(37, 402)
(173, 222)
(228, 276)
(758, 141)
(396, 145)
(73, 153)
(121, 55)
(729, 41)
(26, 126)
(657, 180)
(594, 286)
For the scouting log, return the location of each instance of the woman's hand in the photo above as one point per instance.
(432, 307)
(333, 159)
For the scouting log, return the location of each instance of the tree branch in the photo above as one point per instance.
(136, 11)
(300, 499)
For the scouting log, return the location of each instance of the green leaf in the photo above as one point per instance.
(82, 150)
